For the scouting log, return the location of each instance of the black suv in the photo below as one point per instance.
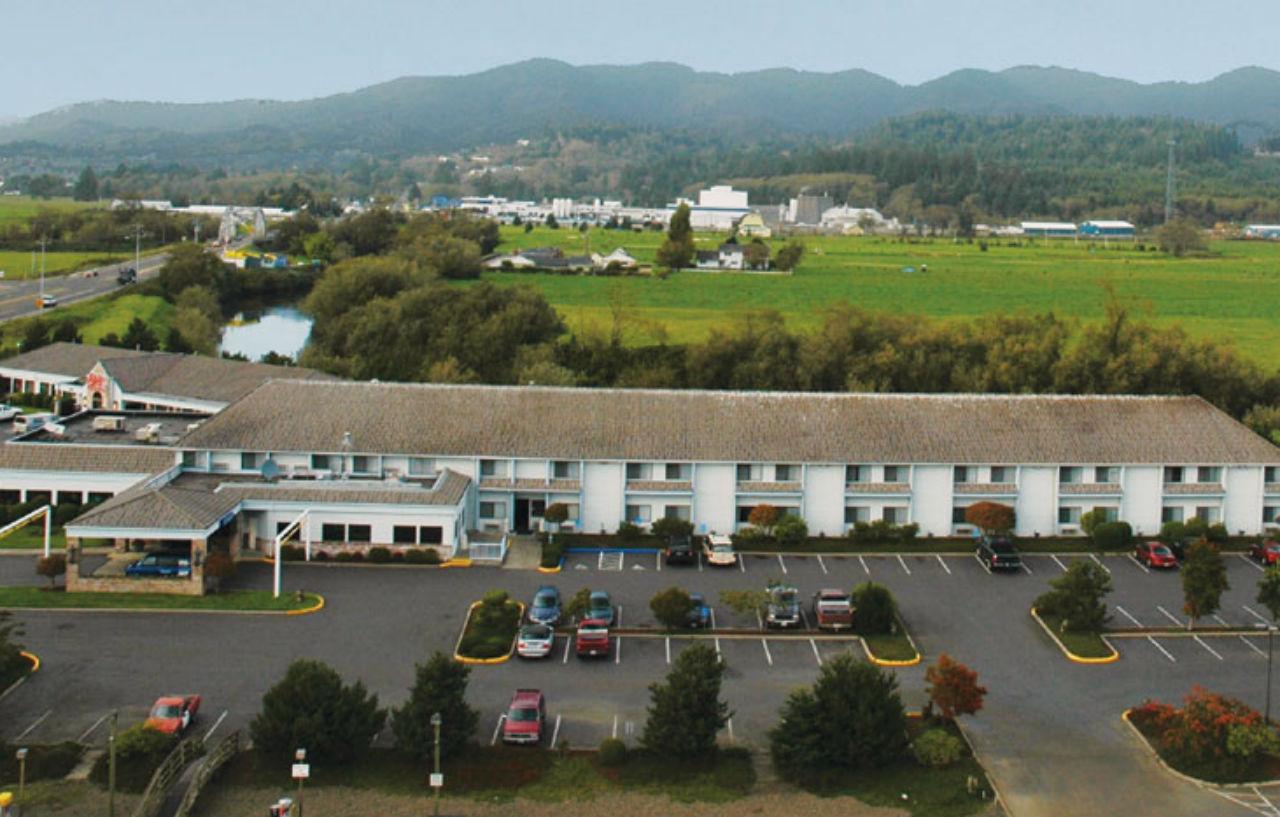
(127, 276)
(998, 553)
(680, 550)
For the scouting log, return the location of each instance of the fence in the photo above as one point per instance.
(489, 551)
(221, 753)
(166, 775)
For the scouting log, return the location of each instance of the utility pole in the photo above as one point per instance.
(137, 249)
(43, 241)
(111, 766)
(1169, 184)
(437, 782)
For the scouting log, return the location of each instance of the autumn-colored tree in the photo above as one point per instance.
(51, 567)
(954, 688)
(992, 517)
(763, 516)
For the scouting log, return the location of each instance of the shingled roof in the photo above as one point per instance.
(616, 424)
(115, 459)
(68, 359)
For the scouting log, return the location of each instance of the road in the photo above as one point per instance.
(18, 298)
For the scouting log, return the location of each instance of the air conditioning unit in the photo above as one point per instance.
(109, 422)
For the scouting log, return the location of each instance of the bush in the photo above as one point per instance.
(218, 567)
(293, 553)
(749, 535)
(52, 762)
(874, 610)
(321, 556)
(1077, 597)
(440, 685)
(139, 751)
(576, 606)
(937, 748)
(881, 532)
(685, 710)
(422, 556)
(1211, 735)
(613, 753)
(379, 555)
(51, 567)
(991, 517)
(671, 607)
(311, 707)
(764, 516)
(668, 526)
(791, 531)
(1112, 535)
(491, 627)
(629, 533)
(552, 551)
(1217, 533)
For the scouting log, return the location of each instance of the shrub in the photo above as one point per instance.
(552, 551)
(881, 532)
(422, 556)
(1213, 734)
(953, 688)
(311, 707)
(397, 556)
(906, 534)
(1217, 533)
(629, 532)
(791, 531)
(937, 748)
(685, 710)
(1077, 597)
(1112, 535)
(138, 752)
(576, 606)
(321, 556)
(613, 753)
(1196, 528)
(874, 610)
(51, 567)
(440, 685)
(991, 517)
(1172, 532)
(668, 526)
(293, 553)
(52, 762)
(556, 513)
(379, 555)
(671, 607)
(218, 567)
(749, 535)
(344, 556)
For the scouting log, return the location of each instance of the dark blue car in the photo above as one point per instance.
(700, 613)
(546, 606)
(160, 564)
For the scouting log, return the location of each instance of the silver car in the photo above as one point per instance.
(535, 641)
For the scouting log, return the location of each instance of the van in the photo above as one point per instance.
(30, 422)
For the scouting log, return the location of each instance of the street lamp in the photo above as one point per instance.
(300, 770)
(22, 771)
(437, 781)
(1271, 631)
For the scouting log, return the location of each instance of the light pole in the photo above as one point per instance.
(437, 782)
(1271, 631)
(299, 756)
(22, 771)
(111, 766)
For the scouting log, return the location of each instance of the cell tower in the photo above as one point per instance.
(1168, 185)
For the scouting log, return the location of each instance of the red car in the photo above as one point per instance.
(526, 718)
(172, 714)
(592, 639)
(833, 610)
(1268, 553)
(1155, 554)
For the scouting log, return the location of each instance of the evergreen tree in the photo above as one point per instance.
(686, 712)
(440, 686)
(86, 188)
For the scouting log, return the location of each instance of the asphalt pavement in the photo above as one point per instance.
(18, 298)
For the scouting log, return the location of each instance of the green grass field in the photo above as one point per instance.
(21, 208)
(245, 600)
(17, 265)
(1233, 294)
(99, 317)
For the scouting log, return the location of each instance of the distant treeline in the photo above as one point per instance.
(102, 229)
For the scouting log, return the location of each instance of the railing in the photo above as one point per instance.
(221, 753)
(489, 551)
(166, 775)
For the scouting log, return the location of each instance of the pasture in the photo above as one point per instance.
(16, 264)
(1231, 294)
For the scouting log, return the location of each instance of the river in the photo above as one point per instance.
(282, 328)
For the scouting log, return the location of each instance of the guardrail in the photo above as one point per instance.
(166, 775)
(489, 551)
(224, 751)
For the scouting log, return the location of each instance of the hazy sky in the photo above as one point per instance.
(60, 51)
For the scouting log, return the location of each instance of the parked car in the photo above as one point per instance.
(176, 565)
(546, 606)
(8, 412)
(699, 614)
(1155, 554)
(23, 423)
(526, 718)
(680, 550)
(172, 714)
(128, 275)
(592, 639)
(535, 641)
(717, 549)
(1268, 552)
(998, 553)
(833, 610)
(783, 607)
(46, 301)
(600, 607)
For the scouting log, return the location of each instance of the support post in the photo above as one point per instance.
(48, 529)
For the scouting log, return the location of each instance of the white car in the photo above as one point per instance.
(535, 641)
(717, 549)
(8, 412)
(30, 422)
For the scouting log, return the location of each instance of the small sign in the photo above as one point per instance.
(301, 771)
(437, 780)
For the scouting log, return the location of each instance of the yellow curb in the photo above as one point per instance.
(555, 569)
(501, 659)
(315, 608)
(1110, 659)
(33, 658)
(885, 662)
(456, 563)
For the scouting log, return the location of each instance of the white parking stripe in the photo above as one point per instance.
(1125, 613)
(657, 561)
(742, 566)
(1026, 567)
(1251, 562)
(1252, 646)
(764, 642)
(1156, 644)
(1140, 565)
(1254, 613)
(1170, 616)
(982, 563)
(497, 727)
(1094, 556)
(804, 618)
(1220, 620)
(33, 726)
(615, 726)
(863, 562)
(567, 639)
(618, 624)
(1211, 650)
(759, 620)
(822, 564)
(89, 731)
(622, 559)
(905, 569)
(668, 640)
(555, 734)
(816, 654)
(781, 563)
(698, 556)
(943, 562)
(712, 611)
(1058, 562)
(617, 650)
(216, 724)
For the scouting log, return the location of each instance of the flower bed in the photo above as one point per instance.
(1211, 737)
(490, 630)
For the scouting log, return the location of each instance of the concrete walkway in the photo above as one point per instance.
(523, 553)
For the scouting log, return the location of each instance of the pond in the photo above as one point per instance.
(283, 329)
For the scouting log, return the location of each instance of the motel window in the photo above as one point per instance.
(421, 467)
(637, 470)
(1105, 474)
(1070, 475)
(1002, 473)
(321, 462)
(856, 513)
(678, 471)
(430, 535)
(1271, 515)
(744, 514)
(1208, 513)
(189, 459)
(957, 515)
(250, 461)
(786, 473)
(493, 510)
(857, 473)
(39, 497)
(962, 473)
(1271, 474)
(676, 512)
(96, 496)
(330, 532)
(361, 464)
(281, 526)
(563, 469)
(359, 533)
(1069, 515)
(9, 497)
(1209, 473)
(69, 498)
(1171, 513)
(493, 468)
(749, 472)
(895, 473)
(894, 514)
(404, 535)
(639, 514)
(1172, 474)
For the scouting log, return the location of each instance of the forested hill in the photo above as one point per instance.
(423, 114)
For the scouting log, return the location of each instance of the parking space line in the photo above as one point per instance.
(1140, 565)
(1252, 646)
(804, 618)
(1156, 644)
(712, 611)
(617, 650)
(816, 654)
(600, 560)
(1251, 562)
(759, 620)
(822, 564)
(782, 564)
(1026, 567)
(1265, 800)
(981, 563)
(1058, 562)
(742, 564)
(764, 642)
(615, 726)
(657, 561)
(1211, 650)
(216, 724)
(729, 723)
(942, 562)
(567, 639)
(1125, 613)
(1254, 613)
(1170, 616)
(89, 731)
(902, 562)
(33, 726)
(497, 727)
(555, 734)
(863, 562)
(668, 640)
(619, 622)
(699, 557)
(1095, 558)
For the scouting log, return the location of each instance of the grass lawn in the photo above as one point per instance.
(34, 596)
(1231, 294)
(31, 537)
(21, 208)
(891, 647)
(17, 265)
(1082, 645)
(99, 316)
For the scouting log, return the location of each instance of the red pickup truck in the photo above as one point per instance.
(526, 718)
(592, 639)
(833, 610)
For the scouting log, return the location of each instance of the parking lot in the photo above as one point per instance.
(1050, 731)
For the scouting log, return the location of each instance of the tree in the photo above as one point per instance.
(551, 221)
(1265, 421)
(991, 517)
(789, 256)
(139, 336)
(791, 530)
(34, 335)
(685, 711)
(669, 526)
(745, 603)
(577, 605)
(1204, 580)
(1269, 592)
(66, 332)
(86, 188)
(756, 255)
(440, 685)
(319, 247)
(874, 610)
(851, 719)
(311, 708)
(173, 342)
(953, 688)
(218, 567)
(1077, 597)
(51, 567)
(12, 663)
(671, 607)
(557, 513)
(763, 516)
(677, 251)
(189, 265)
(1180, 237)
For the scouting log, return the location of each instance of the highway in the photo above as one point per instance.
(18, 298)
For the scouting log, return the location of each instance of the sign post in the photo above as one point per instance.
(301, 771)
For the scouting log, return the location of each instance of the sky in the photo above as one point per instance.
(80, 50)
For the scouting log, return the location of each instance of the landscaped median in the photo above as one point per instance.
(489, 634)
(230, 601)
(1080, 647)
(893, 649)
